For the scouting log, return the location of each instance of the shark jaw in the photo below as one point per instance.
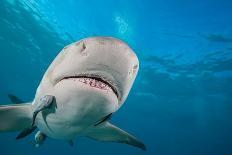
(95, 81)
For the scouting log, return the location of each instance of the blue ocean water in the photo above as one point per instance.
(181, 101)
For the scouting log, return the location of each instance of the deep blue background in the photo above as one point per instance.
(181, 102)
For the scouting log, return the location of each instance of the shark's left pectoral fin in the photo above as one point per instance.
(15, 117)
(109, 133)
(44, 103)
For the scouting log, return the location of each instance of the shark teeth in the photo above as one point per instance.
(94, 83)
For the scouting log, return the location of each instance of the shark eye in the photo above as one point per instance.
(133, 70)
(135, 67)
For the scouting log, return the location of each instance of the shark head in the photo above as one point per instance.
(101, 62)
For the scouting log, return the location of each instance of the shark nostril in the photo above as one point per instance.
(83, 49)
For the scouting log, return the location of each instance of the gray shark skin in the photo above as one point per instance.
(88, 81)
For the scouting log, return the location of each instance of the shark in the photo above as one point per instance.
(83, 87)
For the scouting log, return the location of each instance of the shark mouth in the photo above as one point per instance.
(94, 81)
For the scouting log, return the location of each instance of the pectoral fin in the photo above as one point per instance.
(44, 103)
(106, 118)
(26, 132)
(15, 117)
(110, 133)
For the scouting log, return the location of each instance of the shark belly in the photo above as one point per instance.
(77, 109)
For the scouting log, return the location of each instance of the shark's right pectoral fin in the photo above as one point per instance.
(109, 133)
(15, 117)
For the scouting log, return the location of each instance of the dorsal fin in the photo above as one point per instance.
(14, 99)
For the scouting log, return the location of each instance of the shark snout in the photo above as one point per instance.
(110, 58)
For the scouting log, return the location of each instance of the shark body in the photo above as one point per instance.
(86, 83)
